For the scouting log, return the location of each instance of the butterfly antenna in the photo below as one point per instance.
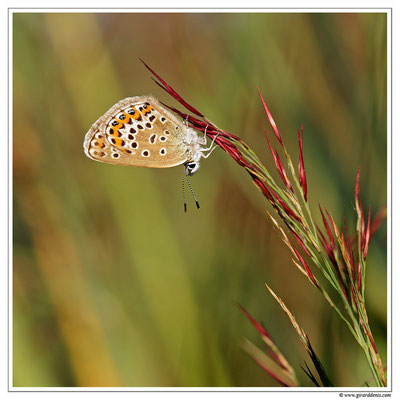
(183, 191)
(190, 187)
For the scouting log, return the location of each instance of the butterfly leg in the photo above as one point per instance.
(210, 149)
(203, 140)
(211, 145)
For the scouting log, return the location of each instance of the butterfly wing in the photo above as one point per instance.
(138, 131)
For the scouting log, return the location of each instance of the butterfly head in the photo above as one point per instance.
(192, 167)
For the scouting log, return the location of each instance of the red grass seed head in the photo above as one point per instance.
(302, 171)
(270, 119)
(279, 166)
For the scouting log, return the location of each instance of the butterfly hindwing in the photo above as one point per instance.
(137, 131)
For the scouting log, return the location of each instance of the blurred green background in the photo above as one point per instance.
(113, 285)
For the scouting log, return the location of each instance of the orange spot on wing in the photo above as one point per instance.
(146, 109)
(136, 115)
(98, 143)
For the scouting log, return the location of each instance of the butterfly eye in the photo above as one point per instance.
(191, 168)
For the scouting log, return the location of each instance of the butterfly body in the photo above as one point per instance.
(140, 132)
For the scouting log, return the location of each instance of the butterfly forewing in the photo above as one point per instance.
(137, 131)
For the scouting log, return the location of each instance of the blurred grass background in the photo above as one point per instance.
(113, 285)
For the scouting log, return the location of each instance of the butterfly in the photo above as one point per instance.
(140, 132)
